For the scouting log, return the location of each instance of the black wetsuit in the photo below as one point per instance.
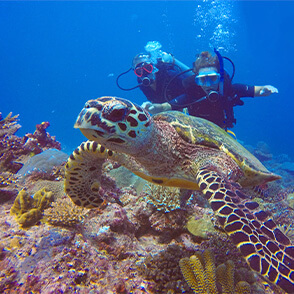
(219, 111)
(166, 71)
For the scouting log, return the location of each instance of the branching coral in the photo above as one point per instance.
(43, 138)
(199, 272)
(9, 143)
(13, 148)
(8, 185)
(202, 276)
(163, 198)
(8, 125)
(29, 210)
(64, 213)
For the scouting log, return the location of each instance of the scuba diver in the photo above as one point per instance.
(210, 94)
(154, 70)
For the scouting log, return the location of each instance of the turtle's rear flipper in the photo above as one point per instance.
(266, 249)
(83, 172)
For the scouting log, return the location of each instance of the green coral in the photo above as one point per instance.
(200, 227)
(29, 210)
(202, 276)
(290, 200)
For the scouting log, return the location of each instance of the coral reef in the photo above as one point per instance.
(11, 146)
(163, 198)
(202, 276)
(262, 151)
(42, 165)
(169, 225)
(200, 225)
(29, 210)
(160, 267)
(124, 177)
(199, 272)
(14, 148)
(8, 186)
(9, 125)
(43, 139)
(56, 187)
(64, 213)
(290, 200)
(130, 244)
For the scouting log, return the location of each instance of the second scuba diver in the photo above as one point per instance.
(210, 94)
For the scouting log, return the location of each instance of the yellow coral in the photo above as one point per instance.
(210, 271)
(243, 288)
(22, 203)
(225, 276)
(194, 280)
(43, 198)
(29, 210)
(201, 275)
(30, 217)
(64, 213)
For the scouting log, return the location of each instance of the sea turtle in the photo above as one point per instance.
(174, 149)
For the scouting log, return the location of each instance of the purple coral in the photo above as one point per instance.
(43, 139)
(12, 147)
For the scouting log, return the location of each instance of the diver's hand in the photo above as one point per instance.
(154, 108)
(268, 90)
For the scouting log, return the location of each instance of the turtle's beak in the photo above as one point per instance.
(93, 135)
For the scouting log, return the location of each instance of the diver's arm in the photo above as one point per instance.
(242, 90)
(180, 102)
(264, 90)
(169, 58)
(154, 108)
(177, 103)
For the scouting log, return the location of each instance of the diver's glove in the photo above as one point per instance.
(154, 108)
(267, 90)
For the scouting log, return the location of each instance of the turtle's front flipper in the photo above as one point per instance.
(266, 249)
(83, 172)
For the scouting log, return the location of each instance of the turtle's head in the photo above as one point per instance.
(115, 123)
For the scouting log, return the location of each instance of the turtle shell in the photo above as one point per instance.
(200, 131)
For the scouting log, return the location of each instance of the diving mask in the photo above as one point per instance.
(207, 79)
(143, 68)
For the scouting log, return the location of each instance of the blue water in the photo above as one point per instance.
(56, 55)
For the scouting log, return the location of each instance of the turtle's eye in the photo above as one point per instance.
(117, 114)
